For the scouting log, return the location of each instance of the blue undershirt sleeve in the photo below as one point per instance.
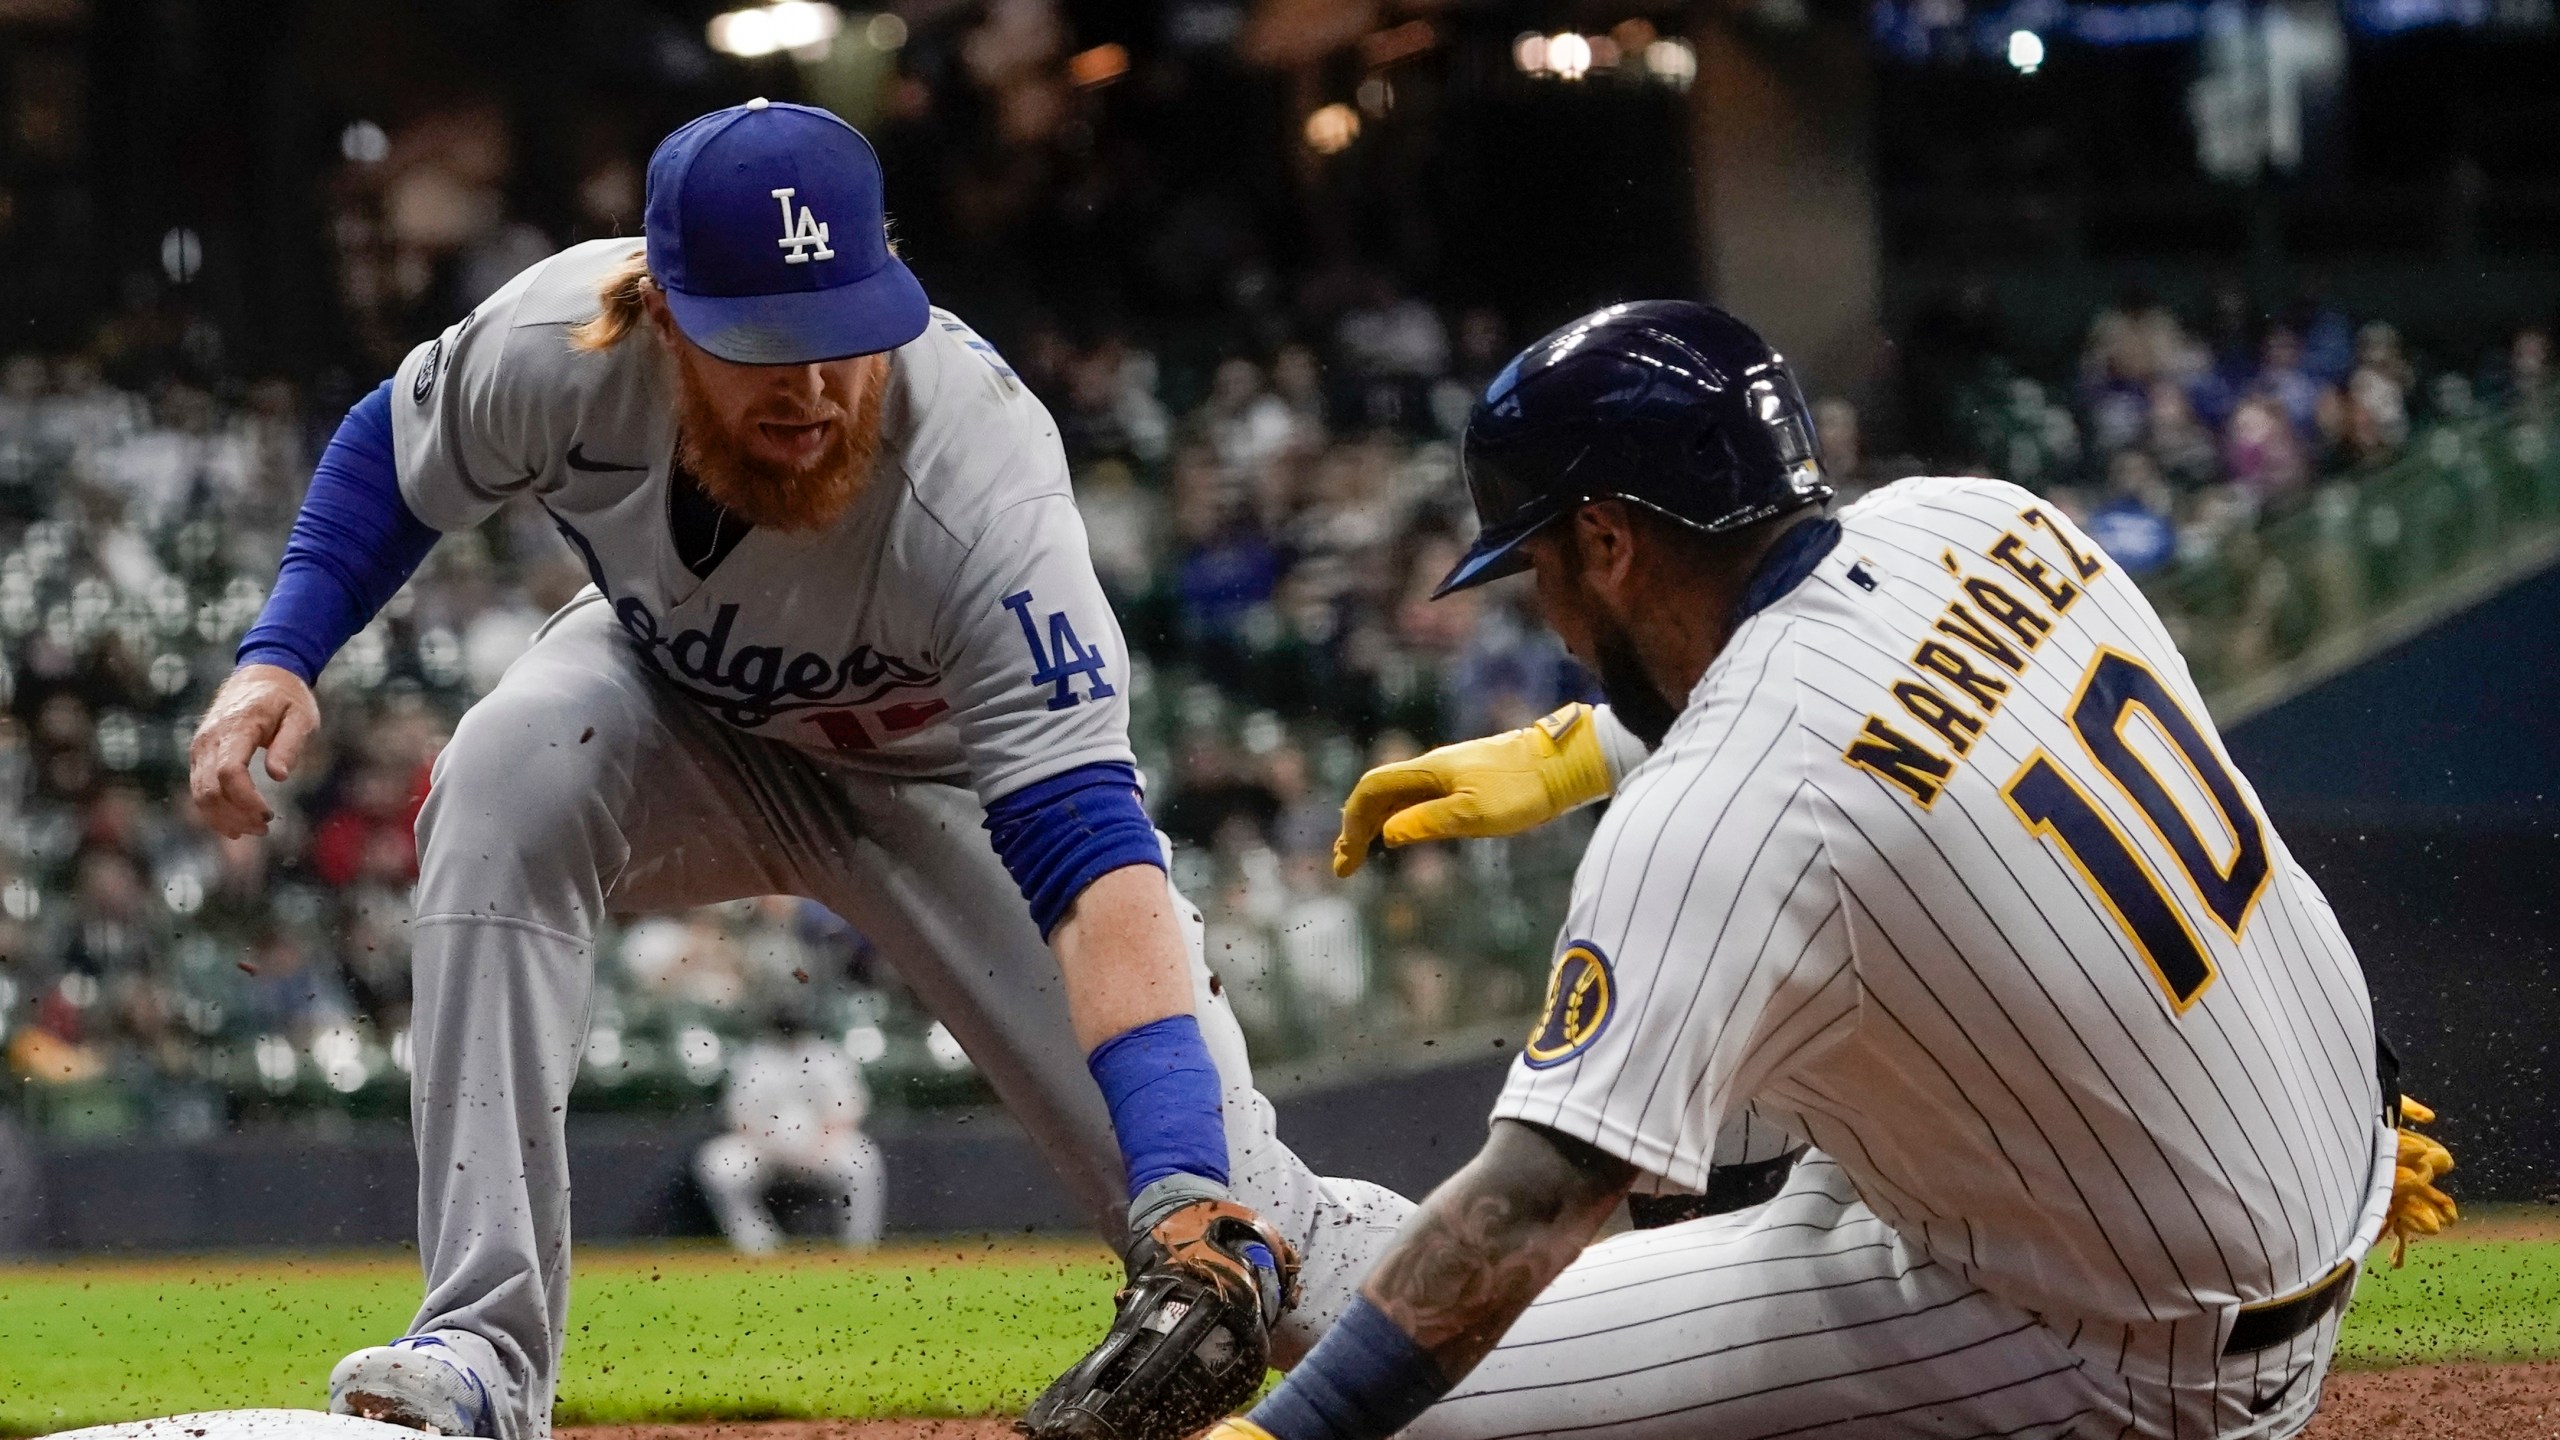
(354, 545)
(1365, 1380)
(1058, 835)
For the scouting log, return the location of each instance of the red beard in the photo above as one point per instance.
(808, 496)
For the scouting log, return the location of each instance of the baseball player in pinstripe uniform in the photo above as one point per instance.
(844, 641)
(1924, 849)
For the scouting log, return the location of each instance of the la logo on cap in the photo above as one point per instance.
(825, 286)
(805, 238)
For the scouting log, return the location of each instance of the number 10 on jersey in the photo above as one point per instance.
(2053, 805)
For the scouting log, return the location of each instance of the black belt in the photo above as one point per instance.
(2270, 1323)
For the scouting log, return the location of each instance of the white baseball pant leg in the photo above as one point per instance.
(858, 1178)
(730, 1167)
(1804, 1316)
(1809, 1315)
(583, 781)
(736, 1170)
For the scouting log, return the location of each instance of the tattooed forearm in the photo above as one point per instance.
(1485, 1243)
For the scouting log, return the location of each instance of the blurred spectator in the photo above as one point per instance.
(1228, 569)
(1269, 508)
(2284, 378)
(1323, 951)
(2133, 522)
(2140, 341)
(1122, 526)
(795, 1108)
(111, 929)
(1392, 348)
(2179, 442)
(293, 991)
(1303, 820)
(1243, 422)
(2527, 387)
(1110, 410)
(688, 961)
(1511, 670)
(371, 837)
(2262, 449)
(2328, 339)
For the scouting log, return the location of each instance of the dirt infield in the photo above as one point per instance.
(2440, 1402)
(2436, 1402)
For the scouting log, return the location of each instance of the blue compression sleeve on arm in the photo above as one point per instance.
(1365, 1380)
(354, 545)
(1163, 1091)
(1058, 835)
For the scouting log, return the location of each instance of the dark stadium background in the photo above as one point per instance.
(2263, 291)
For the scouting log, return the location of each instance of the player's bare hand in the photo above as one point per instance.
(261, 707)
(1475, 789)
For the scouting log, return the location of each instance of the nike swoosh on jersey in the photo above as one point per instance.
(2264, 1403)
(578, 461)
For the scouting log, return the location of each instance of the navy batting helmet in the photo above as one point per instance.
(1668, 404)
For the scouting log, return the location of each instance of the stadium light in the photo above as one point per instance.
(804, 27)
(865, 1044)
(2026, 51)
(181, 255)
(1332, 128)
(1673, 62)
(1568, 55)
(364, 143)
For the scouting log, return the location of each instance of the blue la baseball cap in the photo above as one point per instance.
(767, 233)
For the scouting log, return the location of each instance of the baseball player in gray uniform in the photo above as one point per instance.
(844, 641)
(1933, 857)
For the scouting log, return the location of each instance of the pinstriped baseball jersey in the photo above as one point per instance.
(1945, 864)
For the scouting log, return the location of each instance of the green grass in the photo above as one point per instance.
(693, 1333)
(912, 1330)
(2481, 1300)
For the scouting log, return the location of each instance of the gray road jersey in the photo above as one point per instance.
(950, 623)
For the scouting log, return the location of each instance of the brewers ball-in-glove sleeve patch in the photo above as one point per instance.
(1192, 1337)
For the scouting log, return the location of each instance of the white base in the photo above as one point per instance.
(245, 1425)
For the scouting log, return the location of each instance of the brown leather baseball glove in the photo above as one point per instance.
(1192, 1338)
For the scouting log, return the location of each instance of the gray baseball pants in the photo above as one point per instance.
(584, 784)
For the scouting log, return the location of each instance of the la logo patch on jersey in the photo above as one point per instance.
(1582, 994)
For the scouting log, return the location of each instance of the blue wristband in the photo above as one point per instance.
(1365, 1380)
(1165, 1101)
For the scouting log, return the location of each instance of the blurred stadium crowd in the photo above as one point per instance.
(1270, 525)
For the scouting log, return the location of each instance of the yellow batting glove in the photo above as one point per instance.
(2417, 1206)
(1235, 1427)
(1499, 785)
